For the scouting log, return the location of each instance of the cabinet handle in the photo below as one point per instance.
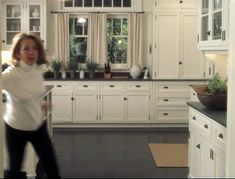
(211, 154)
(180, 63)
(181, 1)
(3, 41)
(221, 136)
(111, 86)
(165, 114)
(165, 87)
(198, 146)
(125, 99)
(166, 100)
(59, 86)
(194, 94)
(206, 126)
(137, 86)
(194, 118)
(43, 41)
(208, 33)
(72, 98)
(85, 86)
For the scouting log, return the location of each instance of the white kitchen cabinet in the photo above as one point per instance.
(175, 45)
(206, 154)
(112, 102)
(138, 103)
(85, 104)
(213, 24)
(23, 16)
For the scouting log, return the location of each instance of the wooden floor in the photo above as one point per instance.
(114, 153)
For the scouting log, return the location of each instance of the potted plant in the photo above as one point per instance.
(56, 66)
(213, 95)
(92, 67)
(72, 66)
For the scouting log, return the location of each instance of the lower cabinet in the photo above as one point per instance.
(206, 147)
(120, 101)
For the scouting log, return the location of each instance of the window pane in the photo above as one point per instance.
(78, 28)
(126, 3)
(78, 3)
(107, 3)
(117, 26)
(71, 26)
(87, 3)
(68, 3)
(117, 50)
(124, 27)
(78, 49)
(86, 27)
(117, 3)
(109, 26)
(98, 3)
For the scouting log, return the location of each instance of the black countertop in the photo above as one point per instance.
(216, 115)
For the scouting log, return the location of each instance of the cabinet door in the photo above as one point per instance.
(62, 107)
(192, 59)
(166, 53)
(138, 106)
(13, 20)
(195, 155)
(85, 107)
(112, 107)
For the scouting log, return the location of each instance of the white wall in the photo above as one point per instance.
(1, 121)
(230, 145)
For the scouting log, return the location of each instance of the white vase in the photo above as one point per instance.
(135, 71)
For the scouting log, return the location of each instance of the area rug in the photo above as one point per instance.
(169, 155)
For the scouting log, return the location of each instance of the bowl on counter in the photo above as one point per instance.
(211, 101)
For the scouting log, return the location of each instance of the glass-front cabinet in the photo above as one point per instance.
(23, 16)
(213, 28)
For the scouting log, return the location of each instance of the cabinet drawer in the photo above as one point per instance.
(172, 115)
(85, 87)
(201, 124)
(218, 135)
(62, 87)
(138, 86)
(172, 88)
(171, 101)
(111, 87)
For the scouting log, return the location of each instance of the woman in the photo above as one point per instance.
(23, 85)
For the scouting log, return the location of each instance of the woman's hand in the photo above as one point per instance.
(46, 105)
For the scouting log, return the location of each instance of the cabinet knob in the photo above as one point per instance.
(165, 87)
(125, 99)
(59, 86)
(85, 86)
(111, 86)
(180, 63)
(72, 98)
(166, 100)
(137, 86)
(3, 41)
(221, 136)
(198, 146)
(181, 1)
(206, 126)
(194, 118)
(43, 41)
(165, 114)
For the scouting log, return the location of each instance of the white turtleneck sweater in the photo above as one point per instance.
(24, 87)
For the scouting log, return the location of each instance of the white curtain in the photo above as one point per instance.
(97, 38)
(135, 52)
(62, 37)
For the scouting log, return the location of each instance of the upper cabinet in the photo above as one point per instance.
(175, 54)
(213, 25)
(23, 16)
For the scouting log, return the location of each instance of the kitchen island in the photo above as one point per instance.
(207, 142)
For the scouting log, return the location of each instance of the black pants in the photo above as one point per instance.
(16, 141)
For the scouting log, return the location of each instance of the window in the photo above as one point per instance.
(98, 3)
(78, 34)
(117, 40)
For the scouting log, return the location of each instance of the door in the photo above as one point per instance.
(166, 56)
(137, 107)
(85, 107)
(62, 107)
(192, 59)
(112, 107)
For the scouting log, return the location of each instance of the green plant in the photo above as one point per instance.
(56, 65)
(92, 66)
(72, 65)
(217, 86)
